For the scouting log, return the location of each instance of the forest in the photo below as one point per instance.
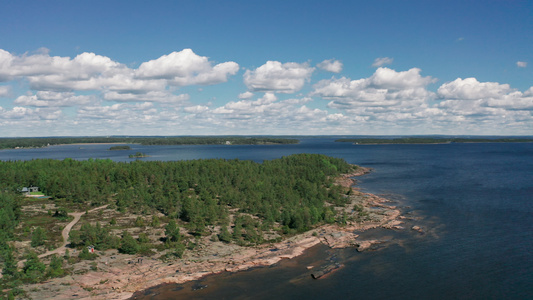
(236, 200)
(38, 142)
(433, 140)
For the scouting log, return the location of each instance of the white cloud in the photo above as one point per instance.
(471, 89)
(54, 99)
(196, 109)
(91, 72)
(384, 88)
(16, 113)
(149, 99)
(484, 97)
(49, 114)
(481, 107)
(521, 64)
(248, 107)
(274, 76)
(82, 67)
(331, 65)
(390, 79)
(113, 112)
(26, 115)
(152, 96)
(387, 98)
(246, 95)
(186, 68)
(392, 102)
(269, 115)
(381, 61)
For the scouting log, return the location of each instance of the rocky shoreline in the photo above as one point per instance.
(119, 276)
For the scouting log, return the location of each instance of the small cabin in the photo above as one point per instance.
(29, 190)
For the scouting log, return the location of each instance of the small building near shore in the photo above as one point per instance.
(28, 190)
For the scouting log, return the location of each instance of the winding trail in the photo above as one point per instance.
(65, 233)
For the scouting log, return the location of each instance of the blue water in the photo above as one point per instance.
(475, 202)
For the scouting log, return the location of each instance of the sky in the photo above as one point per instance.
(98, 68)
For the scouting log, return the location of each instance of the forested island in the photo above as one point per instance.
(432, 140)
(138, 155)
(38, 142)
(166, 210)
(117, 148)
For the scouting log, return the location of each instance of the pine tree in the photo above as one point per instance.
(172, 231)
(10, 265)
(55, 269)
(34, 269)
(38, 237)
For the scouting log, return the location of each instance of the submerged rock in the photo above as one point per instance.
(325, 270)
(417, 228)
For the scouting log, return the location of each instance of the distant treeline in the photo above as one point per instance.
(7, 143)
(433, 140)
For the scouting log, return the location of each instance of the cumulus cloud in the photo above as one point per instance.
(274, 76)
(246, 95)
(152, 96)
(112, 98)
(469, 96)
(16, 113)
(471, 89)
(331, 65)
(521, 64)
(385, 87)
(386, 98)
(248, 107)
(196, 109)
(391, 79)
(88, 71)
(390, 99)
(113, 112)
(84, 67)
(270, 115)
(54, 99)
(381, 61)
(186, 68)
(25, 114)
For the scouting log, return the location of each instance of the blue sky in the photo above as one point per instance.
(266, 67)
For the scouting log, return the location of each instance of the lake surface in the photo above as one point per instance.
(475, 202)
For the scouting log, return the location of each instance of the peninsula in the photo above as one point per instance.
(143, 223)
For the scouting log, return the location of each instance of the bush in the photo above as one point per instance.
(85, 254)
(55, 269)
(38, 237)
(128, 245)
(34, 269)
(139, 222)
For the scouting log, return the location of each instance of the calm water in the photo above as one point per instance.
(474, 200)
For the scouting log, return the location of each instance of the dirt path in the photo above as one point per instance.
(65, 233)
